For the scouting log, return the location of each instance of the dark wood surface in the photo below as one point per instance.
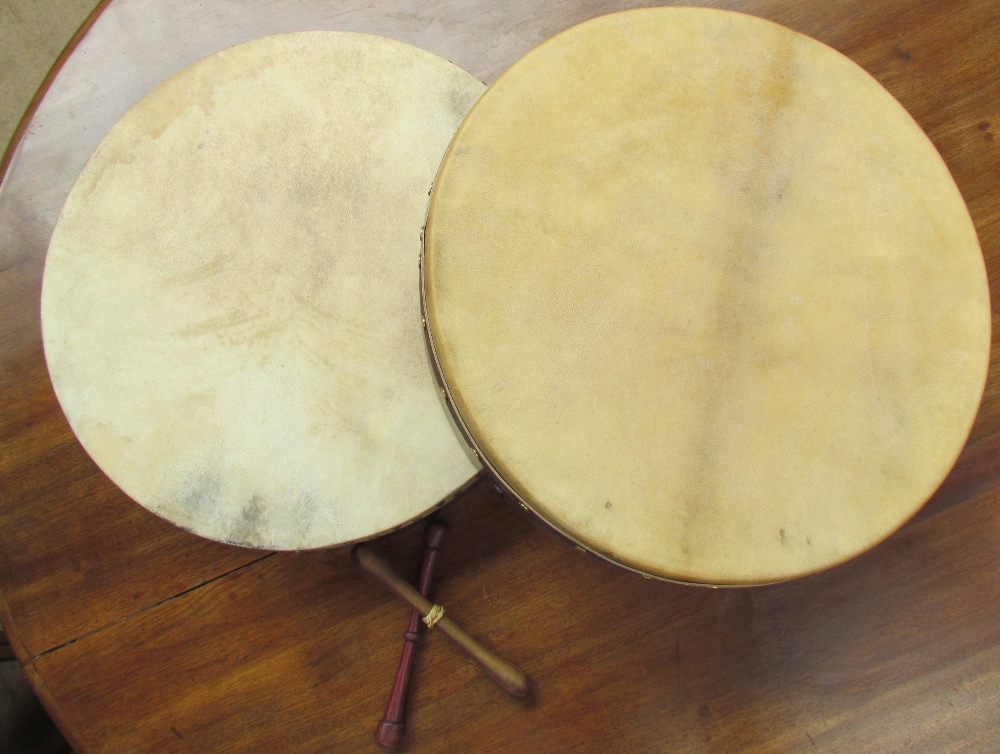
(142, 637)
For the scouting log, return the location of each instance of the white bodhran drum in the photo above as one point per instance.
(705, 297)
(230, 303)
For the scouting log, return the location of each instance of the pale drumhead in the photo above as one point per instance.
(230, 304)
(705, 296)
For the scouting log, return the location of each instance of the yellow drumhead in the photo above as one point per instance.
(705, 296)
(230, 304)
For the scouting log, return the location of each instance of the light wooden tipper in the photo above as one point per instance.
(704, 296)
(230, 304)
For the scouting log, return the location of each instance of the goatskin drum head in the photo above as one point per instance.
(230, 305)
(705, 297)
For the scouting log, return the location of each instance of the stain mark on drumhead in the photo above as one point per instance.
(304, 515)
(746, 259)
(207, 270)
(204, 488)
(461, 100)
(247, 527)
(196, 86)
(238, 327)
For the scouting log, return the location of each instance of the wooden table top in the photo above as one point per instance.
(142, 637)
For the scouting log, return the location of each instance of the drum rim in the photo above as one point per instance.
(487, 464)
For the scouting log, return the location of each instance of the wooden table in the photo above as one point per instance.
(141, 637)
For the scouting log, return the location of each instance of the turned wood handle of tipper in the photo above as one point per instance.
(390, 731)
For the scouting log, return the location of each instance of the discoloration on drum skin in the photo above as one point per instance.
(247, 529)
(762, 183)
(203, 272)
(201, 492)
(176, 96)
(231, 292)
(461, 101)
(174, 101)
(744, 308)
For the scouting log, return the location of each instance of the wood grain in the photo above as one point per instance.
(141, 637)
(899, 645)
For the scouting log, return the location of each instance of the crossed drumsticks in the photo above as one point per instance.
(509, 677)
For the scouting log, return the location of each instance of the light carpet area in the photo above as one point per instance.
(32, 34)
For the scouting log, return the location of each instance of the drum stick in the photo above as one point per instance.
(509, 677)
(389, 732)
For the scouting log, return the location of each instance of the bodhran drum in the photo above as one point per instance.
(230, 303)
(705, 297)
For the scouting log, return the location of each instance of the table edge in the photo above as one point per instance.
(43, 89)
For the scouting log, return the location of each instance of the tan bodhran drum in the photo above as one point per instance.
(705, 297)
(230, 303)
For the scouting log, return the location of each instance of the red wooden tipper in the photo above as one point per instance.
(390, 731)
